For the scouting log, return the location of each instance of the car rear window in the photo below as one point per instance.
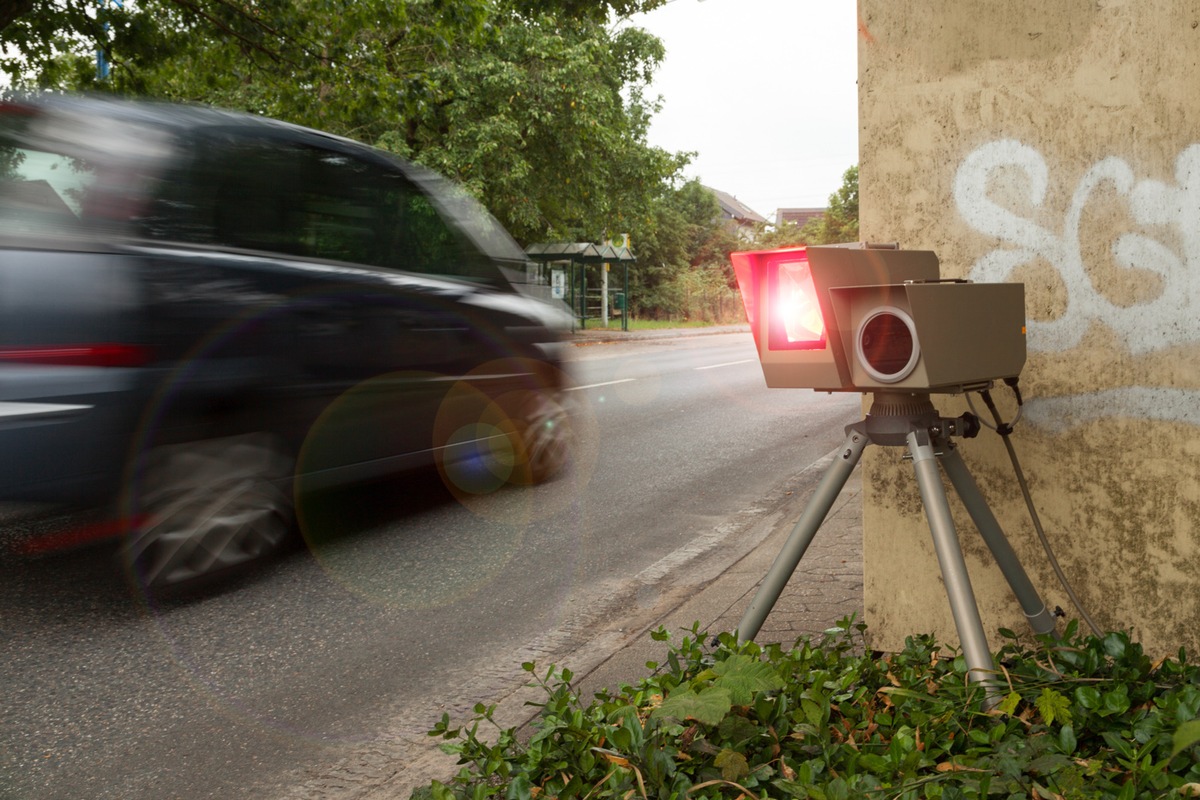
(40, 190)
(62, 174)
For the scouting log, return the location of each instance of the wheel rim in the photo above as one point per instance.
(208, 508)
(545, 435)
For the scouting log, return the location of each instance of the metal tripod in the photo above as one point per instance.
(900, 420)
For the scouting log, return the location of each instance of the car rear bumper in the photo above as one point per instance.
(64, 432)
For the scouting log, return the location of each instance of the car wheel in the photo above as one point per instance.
(542, 435)
(205, 509)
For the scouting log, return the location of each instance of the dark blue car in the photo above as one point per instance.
(203, 313)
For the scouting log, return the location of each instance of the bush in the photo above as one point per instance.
(1080, 717)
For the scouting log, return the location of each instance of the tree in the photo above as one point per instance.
(665, 242)
(839, 223)
(683, 268)
(536, 106)
(537, 124)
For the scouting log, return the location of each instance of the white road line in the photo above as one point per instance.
(598, 385)
(727, 364)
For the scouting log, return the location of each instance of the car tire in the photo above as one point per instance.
(203, 510)
(542, 435)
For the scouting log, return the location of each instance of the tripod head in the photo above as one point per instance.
(894, 415)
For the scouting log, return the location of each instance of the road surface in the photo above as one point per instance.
(318, 676)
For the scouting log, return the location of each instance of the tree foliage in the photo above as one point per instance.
(683, 268)
(538, 108)
(838, 224)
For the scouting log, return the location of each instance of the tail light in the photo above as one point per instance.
(77, 355)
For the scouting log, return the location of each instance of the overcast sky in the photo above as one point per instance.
(765, 91)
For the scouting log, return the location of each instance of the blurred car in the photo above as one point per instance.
(203, 313)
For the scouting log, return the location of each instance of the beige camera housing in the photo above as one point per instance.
(890, 323)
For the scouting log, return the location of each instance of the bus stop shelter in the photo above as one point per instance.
(569, 263)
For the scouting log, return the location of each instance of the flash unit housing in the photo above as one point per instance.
(867, 318)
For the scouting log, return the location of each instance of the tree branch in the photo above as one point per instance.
(195, 9)
(10, 10)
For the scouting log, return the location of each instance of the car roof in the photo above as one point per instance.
(171, 116)
(182, 120)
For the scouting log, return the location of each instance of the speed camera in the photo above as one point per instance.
(866, 318)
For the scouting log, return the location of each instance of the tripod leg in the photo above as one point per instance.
(802, 535)
(980, 667)
(1040, 619)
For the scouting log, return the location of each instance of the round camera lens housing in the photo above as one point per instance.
(886, 345)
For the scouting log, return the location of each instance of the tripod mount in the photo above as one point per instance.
(911, 421)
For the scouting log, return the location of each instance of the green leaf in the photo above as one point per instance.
(909, 694)
(1088, 696)
(877, 764)
(1115, 644)
(815, 713)
(1053, 706)
(1185, 736)
(708, 706)
(733, 765)
(735, 728)
(744, 677)
(1067, 740)
(1115, 702)
(1009, 704)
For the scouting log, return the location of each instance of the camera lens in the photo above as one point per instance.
(886, 345)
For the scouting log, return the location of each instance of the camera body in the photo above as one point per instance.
(870, 318)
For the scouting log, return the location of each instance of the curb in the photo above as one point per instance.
(586, 336)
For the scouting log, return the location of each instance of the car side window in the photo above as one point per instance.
(290, 198)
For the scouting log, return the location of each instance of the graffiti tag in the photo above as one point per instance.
(1167, 319)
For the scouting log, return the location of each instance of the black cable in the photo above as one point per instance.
(1005, 430)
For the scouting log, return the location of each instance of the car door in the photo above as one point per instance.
(381, 334)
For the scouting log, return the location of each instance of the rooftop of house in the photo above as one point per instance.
(732, 208)
(799, 216)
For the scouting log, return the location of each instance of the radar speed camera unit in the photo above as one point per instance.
(866, 318)
(880, 320)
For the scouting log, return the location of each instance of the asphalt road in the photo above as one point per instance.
(318, 676)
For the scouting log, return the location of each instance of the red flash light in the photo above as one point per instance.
(788, 316)
(780, 282)
(796, 318)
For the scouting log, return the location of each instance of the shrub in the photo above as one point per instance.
(1079, 717)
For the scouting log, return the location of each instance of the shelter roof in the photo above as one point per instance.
(579, 252)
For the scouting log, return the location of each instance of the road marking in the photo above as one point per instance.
(598, 385)
(727, 364)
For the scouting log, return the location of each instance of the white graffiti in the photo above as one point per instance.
(1165, 320)
(1137, 402)
(1168, 319)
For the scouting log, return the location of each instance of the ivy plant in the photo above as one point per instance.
(1079, 717)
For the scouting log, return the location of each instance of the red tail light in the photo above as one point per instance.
(78, 355)
(15, 109)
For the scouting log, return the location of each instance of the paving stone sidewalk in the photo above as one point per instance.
(826, 587)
